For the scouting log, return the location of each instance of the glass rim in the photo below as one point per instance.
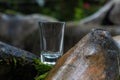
(59, 22)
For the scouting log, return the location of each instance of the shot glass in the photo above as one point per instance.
(51, 41)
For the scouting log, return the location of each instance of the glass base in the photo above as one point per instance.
(50, 57)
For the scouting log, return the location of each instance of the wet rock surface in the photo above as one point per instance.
(16, 64)
(6, 51)
(94, 57)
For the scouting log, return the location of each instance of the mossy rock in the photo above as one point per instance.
(17, 64)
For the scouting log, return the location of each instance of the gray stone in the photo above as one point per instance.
(115, 14)
(117, 40)
(94, 57)
(7, 51)
(15, 28)
(16, 64)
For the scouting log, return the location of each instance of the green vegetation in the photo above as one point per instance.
(1, 61)
(68, 10)
(19, 65)
(42, 69)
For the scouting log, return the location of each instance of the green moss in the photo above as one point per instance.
(15, 61)
(42, 69)
(1, 61)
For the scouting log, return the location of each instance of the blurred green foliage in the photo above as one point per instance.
(63, 10)
(68, 10)
(86, 8)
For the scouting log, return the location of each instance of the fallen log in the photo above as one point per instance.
(94, 57)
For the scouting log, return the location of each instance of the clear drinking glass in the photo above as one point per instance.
(51, 41)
